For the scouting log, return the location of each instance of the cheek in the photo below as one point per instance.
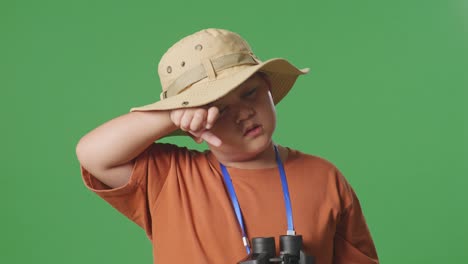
(268, 112)
(222, 127)
(271, 120)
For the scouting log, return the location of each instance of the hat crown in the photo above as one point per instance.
(192, 50)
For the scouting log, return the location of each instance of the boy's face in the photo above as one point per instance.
(247, 120)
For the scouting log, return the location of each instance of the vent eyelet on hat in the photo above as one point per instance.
(169, 69)
(198, 47)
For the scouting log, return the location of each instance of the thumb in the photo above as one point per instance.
(211, 138)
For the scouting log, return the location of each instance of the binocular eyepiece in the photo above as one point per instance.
(264, 251)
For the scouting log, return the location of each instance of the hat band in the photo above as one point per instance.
(200, 72)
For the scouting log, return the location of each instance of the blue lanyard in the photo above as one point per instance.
(235, 201)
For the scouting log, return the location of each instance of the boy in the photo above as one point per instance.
(203, 207)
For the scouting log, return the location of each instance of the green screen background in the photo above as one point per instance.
(386, 102)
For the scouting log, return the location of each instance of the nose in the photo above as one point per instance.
(244, 112)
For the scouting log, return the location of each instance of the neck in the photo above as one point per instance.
(264, 159)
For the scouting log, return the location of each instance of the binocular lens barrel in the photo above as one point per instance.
(291, 244)
(263, 245)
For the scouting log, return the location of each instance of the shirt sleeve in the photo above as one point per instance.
(353, 241)
(134, 199)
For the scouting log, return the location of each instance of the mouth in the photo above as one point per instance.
(252, 129)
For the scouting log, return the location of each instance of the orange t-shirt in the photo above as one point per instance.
(179, 198)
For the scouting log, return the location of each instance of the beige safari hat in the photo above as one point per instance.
(208, 64)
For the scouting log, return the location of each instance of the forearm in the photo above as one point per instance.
(121, 139)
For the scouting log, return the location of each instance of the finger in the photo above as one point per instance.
(186, 120)
(176, 116)
(210, 138)
(213, 114)
(198, 119)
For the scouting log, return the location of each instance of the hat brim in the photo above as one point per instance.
(282, 75)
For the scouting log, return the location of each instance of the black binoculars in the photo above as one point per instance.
(264, 251)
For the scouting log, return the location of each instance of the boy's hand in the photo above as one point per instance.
(197, 121)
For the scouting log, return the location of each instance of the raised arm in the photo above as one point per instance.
(108, 151)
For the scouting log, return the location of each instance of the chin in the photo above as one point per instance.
(257, 149)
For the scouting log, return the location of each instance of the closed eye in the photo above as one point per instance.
(250, 93)
(222, 109)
